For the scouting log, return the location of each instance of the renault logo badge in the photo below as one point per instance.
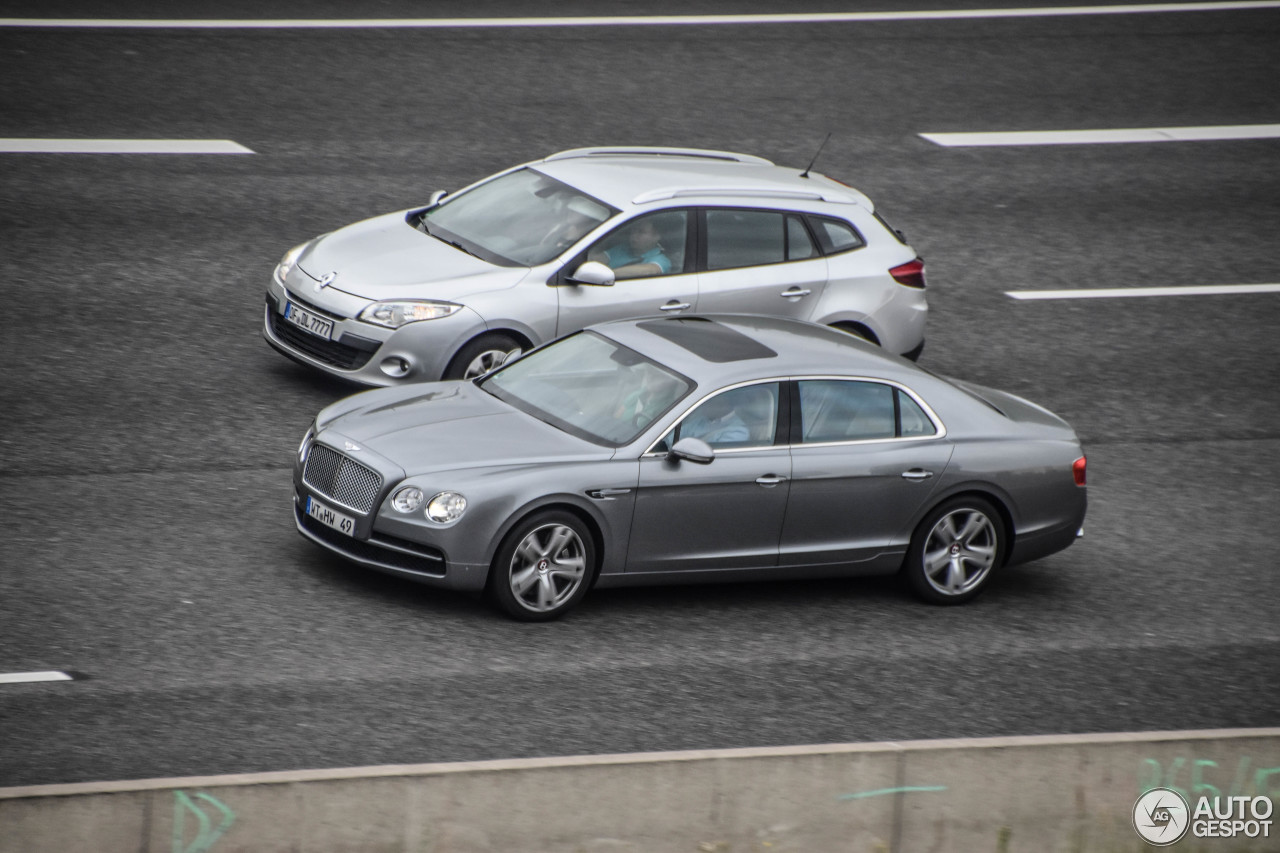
(327, 279)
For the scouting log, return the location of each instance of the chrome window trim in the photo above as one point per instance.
(924, 407)
(650, 452)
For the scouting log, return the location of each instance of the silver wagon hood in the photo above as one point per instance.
(387, 258)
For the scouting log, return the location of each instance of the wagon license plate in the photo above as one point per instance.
(308, 321)
(331, 518)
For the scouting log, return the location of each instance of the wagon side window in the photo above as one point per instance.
(836, 235)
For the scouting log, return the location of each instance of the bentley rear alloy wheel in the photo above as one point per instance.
(954, 551)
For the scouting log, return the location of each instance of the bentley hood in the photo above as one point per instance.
(449, 425)
(387, 258)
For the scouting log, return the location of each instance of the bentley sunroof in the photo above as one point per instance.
(708, 339)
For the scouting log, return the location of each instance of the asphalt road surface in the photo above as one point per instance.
(147, 431)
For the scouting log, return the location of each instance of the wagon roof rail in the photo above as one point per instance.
(645, 150)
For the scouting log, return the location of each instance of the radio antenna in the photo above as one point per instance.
(805, 173)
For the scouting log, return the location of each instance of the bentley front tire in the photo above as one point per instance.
(543, 567)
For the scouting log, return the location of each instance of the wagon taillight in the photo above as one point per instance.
(911, 273)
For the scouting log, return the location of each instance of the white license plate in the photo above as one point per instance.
(309, 321)
(331, 518)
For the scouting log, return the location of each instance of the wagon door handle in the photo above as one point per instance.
(795, 292)
(674, 306)
(769, 480)
(917, 474)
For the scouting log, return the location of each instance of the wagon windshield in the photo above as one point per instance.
(523, 218)
(591, 387)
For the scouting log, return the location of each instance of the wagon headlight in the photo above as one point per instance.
(446, 507)
(407, 499)
(306, 443)
(393, 315)
(289, 261)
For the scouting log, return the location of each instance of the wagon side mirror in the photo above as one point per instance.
(593, 273)
(692, 449)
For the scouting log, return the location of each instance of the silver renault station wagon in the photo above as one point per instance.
(453, 288)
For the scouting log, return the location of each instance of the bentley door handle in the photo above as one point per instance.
(607, 494)
(917, 474)
(770, 480)
(674, 306)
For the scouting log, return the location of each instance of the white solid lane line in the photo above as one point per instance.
(1125, 292)
(1105, 137)
(644, 20)
(23, 677)
(121, 146)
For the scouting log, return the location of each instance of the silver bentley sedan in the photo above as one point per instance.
(452, 288)
(690, 449)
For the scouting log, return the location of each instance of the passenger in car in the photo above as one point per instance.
(641, 255)
(716, 422)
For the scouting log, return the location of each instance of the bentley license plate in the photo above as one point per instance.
(331, 518)
(309, 321)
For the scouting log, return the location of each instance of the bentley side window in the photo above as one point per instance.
(911, 417)
(742, 417)
(844, 410)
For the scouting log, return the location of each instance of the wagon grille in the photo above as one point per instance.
(331, 353)
(342, 479)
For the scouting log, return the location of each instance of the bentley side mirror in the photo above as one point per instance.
(593, 273)
(692, 449)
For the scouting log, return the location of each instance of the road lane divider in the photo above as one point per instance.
(121, 146)
(1117, 136)
(30, 677)
(1009, 793)
(641, 20)
(1137, 292)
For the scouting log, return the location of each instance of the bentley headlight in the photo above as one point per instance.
(393, 315)
(289, 261)
(407, 499)
(306, 443)
(446, 507)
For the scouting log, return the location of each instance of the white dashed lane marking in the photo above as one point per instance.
(1128, 292)
(1106, 137)
(25, 677)
(121, 146)
(642, 20)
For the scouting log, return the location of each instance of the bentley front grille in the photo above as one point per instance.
(342, 478)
